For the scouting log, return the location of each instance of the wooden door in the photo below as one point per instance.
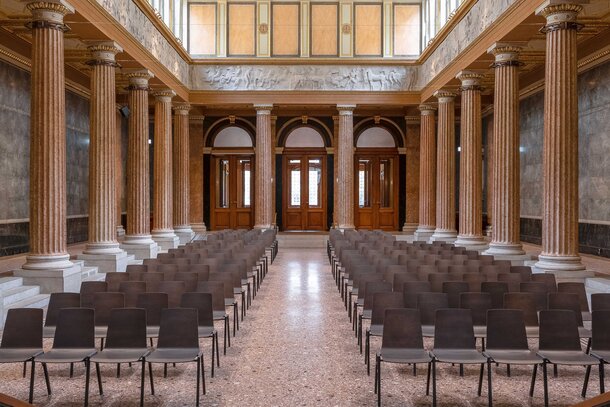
(376, 191)
(232, 192)
(304, 191)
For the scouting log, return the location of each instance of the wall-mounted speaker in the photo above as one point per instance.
(124, 111)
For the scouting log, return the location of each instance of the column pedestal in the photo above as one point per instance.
(199, 228)
(410, 228)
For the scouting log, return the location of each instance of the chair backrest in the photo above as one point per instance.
(374, 287)
(153, 303)
(600, 324)
(453, 289)
(364, 279)
(152, 280)
(578, 289)
(567, 301)
(539, 290)
(202, 302)
(58, 301)
(458, 269)
(402, 329)
(179, 328)
(87, 289)
(132, 289)
(104, 303)
(174, 291)
(401, 278)
(525, 302)
(216, 288)
(114, 279)
(600, 301)
(202, 270)
(227, 279)
(496, 289)
(437, 280)
(478, 304)
(524, 271)
(383, 301)
(558, 331)
(454, 329)
(474, 281)
(428, 304)
(506, 329)
(75, 329)
(126, 328)
(22, 329)
(513, 280)
(137, 268)
(190, 281)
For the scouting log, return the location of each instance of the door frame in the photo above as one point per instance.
(378, 153)
(289, 153)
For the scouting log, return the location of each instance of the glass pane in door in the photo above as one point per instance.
(385, 183)
(222, 184)
(364, 183)
(315, 182)
(244, 193)
(294, 193)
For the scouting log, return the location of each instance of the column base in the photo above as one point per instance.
(488, 230)
(52, 280)
(185, 235)
(448, 236)
(199, 228)
(120, 231)
(263, 227)
(409, 228)
(166, 240)
(565, 268)
(472, 242)
(423, 233)
(106, 262)
(343, 227)
(141, 246)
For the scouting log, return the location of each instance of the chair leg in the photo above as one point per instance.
(489, 387)
(360, 321)
(71, 370)
(508, 369)
(414, 369)
(217, 353)
(228, 331)
(602, 384)
(533, 380)
(46, 378)
(367, 360)
(480, 380)
(142, 374)
(588, 346)
(461, 370)
(87, 375)
(433, 383)
(99, 378)
(378, 381)
(428, 379)
(203, 375)
(25, 369)
(118, 370)
(545, 384)
(235, 319)
(585, 384)
(152, 383)
(213, 361)
(31, 397)
(198, 381)
(165, 370)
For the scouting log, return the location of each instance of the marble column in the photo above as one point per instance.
(273, 174)
(182, 226)
(103, 249)
(471, 164)
(335, 173)
(427, 174)
(263, 201)
(489, 176)
(118, 159)
(505, 188)
(163, 226)
(445, 168)
(48, 262)
(196, 175)
(560, 148)
(138, 240)
(345, 168)
(412, 147)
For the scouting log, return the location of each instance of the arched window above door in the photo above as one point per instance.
(304, 137)
(376, 137)
(232, 136)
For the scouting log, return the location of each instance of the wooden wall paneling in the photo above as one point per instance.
(368, 22)
(324, 29)
(285, 19)
(202, 23)
(407, 26)
(241, 29)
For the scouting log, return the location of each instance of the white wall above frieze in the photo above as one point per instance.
(304, 77)
(129, 15)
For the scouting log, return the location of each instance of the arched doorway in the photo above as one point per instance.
(304, 169)
(231, 177)
(376, 184)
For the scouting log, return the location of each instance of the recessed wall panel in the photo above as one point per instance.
(285, 30)
(324, 29)
(367, 29)
(202, 36)
(406, 29)
(242, 26)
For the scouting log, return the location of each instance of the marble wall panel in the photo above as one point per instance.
(531, 126)
(412, 172)
(77, 158)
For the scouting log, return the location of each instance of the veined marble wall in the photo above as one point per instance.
(594, 162)
(14, 161)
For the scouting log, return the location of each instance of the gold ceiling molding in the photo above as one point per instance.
(15, 59)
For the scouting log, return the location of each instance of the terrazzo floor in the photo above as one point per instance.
(296, 348)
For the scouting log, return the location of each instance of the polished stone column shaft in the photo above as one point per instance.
(445, 168)
(335, 173)
(48, 235)
(118, 160)
(345, 168)
(263, 207)
(163, 229)
(505, 235)
(196, 174)
(181, 222)
(102, 148)
(138, 240)
(471, 163)
(560, 148)
(427, 174)
(412, 157)
(489, 176)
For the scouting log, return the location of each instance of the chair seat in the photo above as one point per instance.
(205, 331)
(427, 331)
(397, 355)
(48, 332)
(152, 331)
(17, 355)
(367, 313)
(532, 331)
(586, 316)
(464, 356)
(65, 355)
(239, 290)
(584, 332)
(375, 330)
(601, 354)
(480, 331)
(219, 315)
(173, 355)
(513, 356)
(119, 355)
(359, 302)
(568, 357)
(229, 302)
(101, 331)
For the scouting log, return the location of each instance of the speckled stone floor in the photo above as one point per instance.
(296, 348)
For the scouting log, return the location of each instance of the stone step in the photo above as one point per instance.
(13, 295)
(36, 301)
(10, 282)
(597, 285)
